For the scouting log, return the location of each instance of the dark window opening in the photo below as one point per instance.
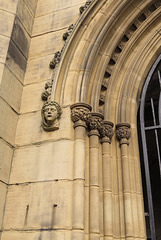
(149, 134)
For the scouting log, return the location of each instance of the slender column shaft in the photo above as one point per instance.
(123, 134)
(94, 183)
(106, 135)
(94, 197)
(126, 191)
(79, 116)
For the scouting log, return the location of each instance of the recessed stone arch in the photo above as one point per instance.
(104, 64)
(106, 41)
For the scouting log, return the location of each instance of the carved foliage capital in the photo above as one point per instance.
(106, 132)
(123, 133)
(95, 123)
(80, 113)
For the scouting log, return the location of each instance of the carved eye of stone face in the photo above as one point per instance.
(50, 113)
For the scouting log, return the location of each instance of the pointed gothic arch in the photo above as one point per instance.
(104, 64)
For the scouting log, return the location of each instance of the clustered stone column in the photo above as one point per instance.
(95, 123)
(98, 130)
(106, 133)
(123, 133)
(79, 115)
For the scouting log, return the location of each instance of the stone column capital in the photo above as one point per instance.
(80, 114)
(106, 131)
(94, 123)
(123, 133)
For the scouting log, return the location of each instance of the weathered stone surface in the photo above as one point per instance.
(31, 97)
(39, 206)
(55, 21)
(48, 6)
(4, 42)
(32, 4)
(16, 61)
(1, 71)
(9, 5)
(43, 162)
(31, 123)
(33, 235)
(6, 153)
(3, 190)
(47, 43)
(11, 89)
(20, 37)
(8, 116)
(25, 16)
(38, 70)
(7, 19)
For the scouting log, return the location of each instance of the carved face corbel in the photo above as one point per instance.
(51, 112)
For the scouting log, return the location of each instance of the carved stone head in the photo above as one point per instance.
(50, 112)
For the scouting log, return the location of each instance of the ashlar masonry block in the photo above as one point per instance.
(32, 4)
(43, 235)
(16, 61)
(31, 123)
(48, 6)
(25, 16)
(3, 190)
(47, 43)
(7, 19)
(31, 97)
(8, 116)
(6, 153)
(11, 89)
(55, 20)
(38, 69)
(4, 42)
(9, 5)
(43, 162)
(43, 205)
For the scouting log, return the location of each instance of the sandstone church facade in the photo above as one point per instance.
(80, 119)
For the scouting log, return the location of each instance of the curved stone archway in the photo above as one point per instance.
(106, 40)
(104, 64)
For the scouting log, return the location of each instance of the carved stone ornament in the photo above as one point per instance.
(80, 113)
(123, 133)
(51, 112)
(47, 92)
(106, 132)
(68, 33)
(95, 123)
(83, 8)
(54, 62)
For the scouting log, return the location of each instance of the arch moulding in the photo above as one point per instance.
(103, 66)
